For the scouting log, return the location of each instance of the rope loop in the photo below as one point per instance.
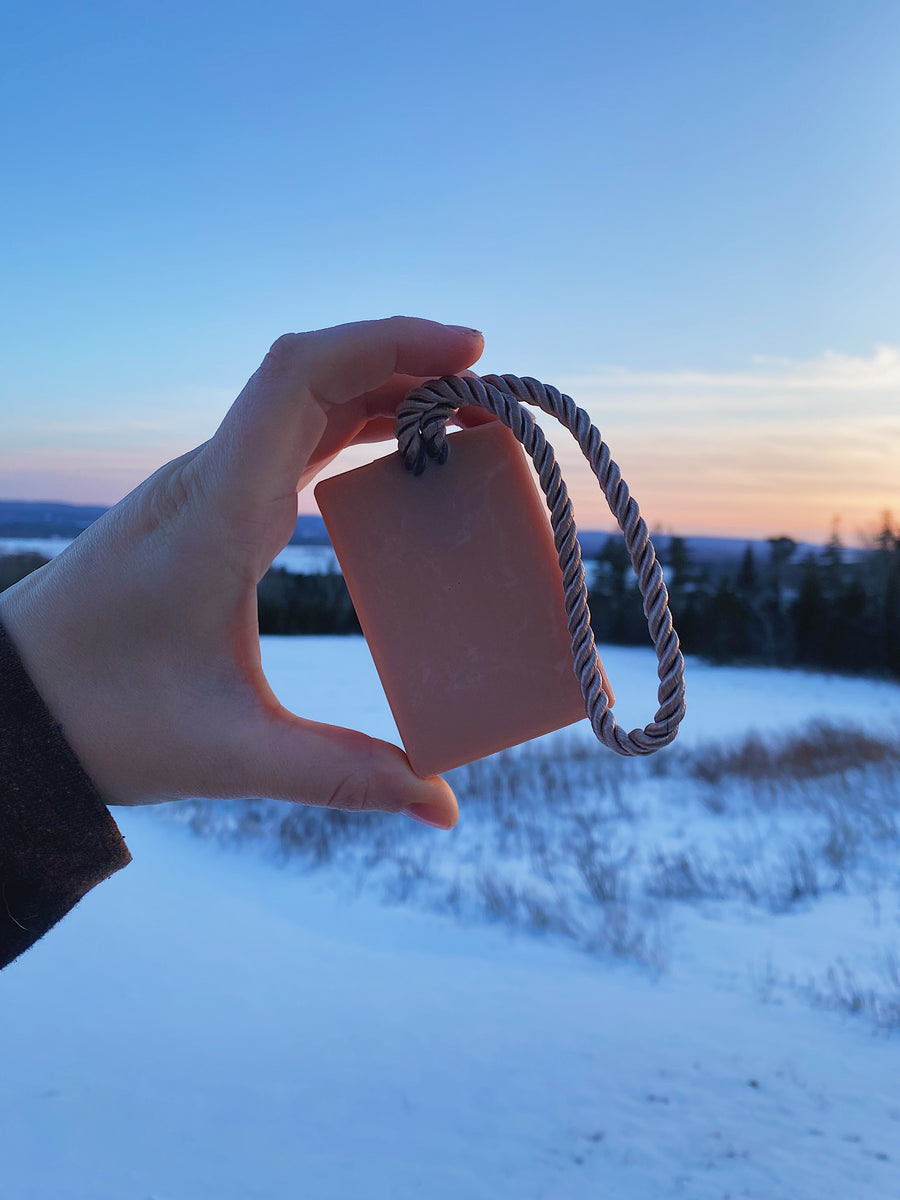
(421, 431)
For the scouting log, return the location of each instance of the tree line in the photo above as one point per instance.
(287, 603)
(825, 608)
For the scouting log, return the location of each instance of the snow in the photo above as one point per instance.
(333, 679)
(48, 547)
(210, 1026)
(206, 1027)
(307, 560)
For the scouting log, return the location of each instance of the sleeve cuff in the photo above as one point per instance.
(57, 838)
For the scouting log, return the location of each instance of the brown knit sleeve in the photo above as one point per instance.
(57, 838)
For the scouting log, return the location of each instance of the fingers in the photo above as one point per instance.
(381, 429)
(309, 382)
(350, 360)
(328, 766)
(384, 401)
(378, 429)
(472, 415)
(381, 406)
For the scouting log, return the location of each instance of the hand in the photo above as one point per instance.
(142, 635)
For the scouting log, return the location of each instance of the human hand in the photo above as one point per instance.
(142, 635)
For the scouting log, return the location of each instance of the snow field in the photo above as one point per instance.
(243, 1016)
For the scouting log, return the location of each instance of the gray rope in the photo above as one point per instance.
(421, 431)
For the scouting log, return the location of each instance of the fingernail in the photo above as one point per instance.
(466, 329)
(429, 814)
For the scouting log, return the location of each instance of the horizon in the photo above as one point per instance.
(659, 535)
(689, 232)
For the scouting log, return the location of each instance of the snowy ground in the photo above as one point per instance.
(49, 547)
(708, 1012)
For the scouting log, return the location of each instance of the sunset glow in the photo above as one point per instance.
(693, 232)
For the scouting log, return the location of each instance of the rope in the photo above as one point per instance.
(421, 431)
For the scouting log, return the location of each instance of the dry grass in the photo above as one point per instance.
(819, 751)
(562, 839)
(842, 991)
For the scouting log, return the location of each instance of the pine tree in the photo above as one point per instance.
(809, 612)
(747, 580)
(781, 551)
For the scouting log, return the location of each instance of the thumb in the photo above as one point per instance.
(332, 767)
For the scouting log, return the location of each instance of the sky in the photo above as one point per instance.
(686, 216)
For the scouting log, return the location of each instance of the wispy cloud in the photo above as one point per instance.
(831, 386)
(879, 371)
(779, 445)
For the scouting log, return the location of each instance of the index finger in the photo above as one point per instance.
(272, 430)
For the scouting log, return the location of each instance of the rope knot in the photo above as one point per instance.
(421, 426)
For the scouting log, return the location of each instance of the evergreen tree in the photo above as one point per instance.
(617, 613)
(779, 648)
(288, 603)
(810, 615)
(681, 583)
(883, 597)
(14, 567)
(747, 579)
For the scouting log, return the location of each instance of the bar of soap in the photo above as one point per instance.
(457, 586)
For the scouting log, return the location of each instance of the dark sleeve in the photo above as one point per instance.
(57, 839)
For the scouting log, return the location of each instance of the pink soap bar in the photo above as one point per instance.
(457, 585)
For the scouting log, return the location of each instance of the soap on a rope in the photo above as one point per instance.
(456, 582)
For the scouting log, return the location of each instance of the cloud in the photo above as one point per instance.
(878, 372)
(780, 444)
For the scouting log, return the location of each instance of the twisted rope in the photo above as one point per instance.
(421, 431)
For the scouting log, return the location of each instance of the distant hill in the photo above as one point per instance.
(47, 518)
(310, 531)
(40, 518)
(718, 555)
(44, 519)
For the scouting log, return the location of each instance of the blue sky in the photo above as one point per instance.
(681, 210)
